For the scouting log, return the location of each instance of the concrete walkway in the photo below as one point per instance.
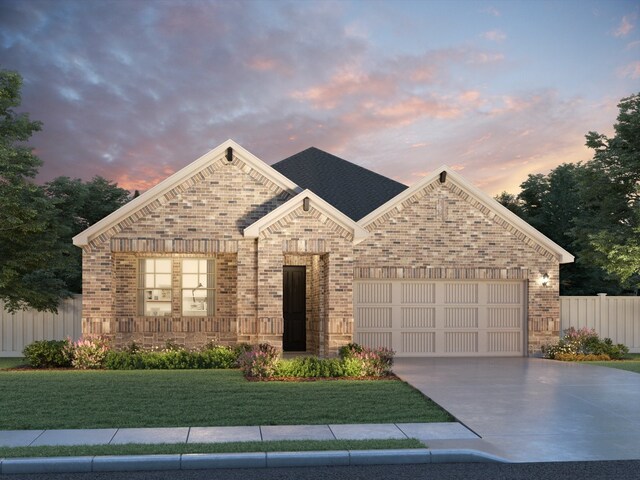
(533, 410)
(117, 436)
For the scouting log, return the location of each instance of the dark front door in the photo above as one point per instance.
(294, 309)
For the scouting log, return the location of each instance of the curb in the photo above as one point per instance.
(204, 461)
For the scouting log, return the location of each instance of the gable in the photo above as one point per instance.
(350, 188)
(173, 189)
(489, 210)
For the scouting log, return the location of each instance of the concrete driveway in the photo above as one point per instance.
(534, 410)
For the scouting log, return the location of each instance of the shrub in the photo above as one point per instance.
(210, 356)
(48, 354)
(89, 352)
(349, 350)
(310, 367)
(261, 361)
(584, 342)
(374, 362)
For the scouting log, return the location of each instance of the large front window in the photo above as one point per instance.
(198, 287)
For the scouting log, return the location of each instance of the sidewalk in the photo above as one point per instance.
(424, 432)
(118, 436)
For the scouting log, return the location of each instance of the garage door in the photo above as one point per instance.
(441, 318)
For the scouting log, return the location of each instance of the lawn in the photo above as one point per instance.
(11, 362)
(230, 447)
(631, 363)
(58, 399)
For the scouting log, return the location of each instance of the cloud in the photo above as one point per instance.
(494, 36)
(492, 11)
(631, 70)
(625, 27)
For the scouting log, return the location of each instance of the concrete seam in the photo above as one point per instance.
(332, 432)
(403, 432)
(113, 436)
(187, 440)
(261, 437)
(41, 433)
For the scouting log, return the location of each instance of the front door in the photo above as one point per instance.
(294, 309)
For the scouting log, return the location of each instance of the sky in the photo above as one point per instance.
(134, 90)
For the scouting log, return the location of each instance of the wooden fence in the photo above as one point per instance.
(615, 317)
(24, 327)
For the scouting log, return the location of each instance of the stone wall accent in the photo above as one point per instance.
(442, 232)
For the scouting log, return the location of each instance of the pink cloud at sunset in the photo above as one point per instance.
(134, 91)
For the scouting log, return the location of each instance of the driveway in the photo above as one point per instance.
(534, 410)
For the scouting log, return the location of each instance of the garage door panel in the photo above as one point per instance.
(503, 342)
(442, 317)
(418, 293)
(373, 317)
(418, 342)
(461, 293)
(374, 339)
(461, 342)
(418, 317)
(461, 317)
(504, 293)
(510, 317)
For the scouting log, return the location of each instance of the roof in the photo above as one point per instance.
(493, 206)
(350, 188)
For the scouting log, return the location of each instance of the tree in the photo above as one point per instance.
(79, 205)
(611, 193)
(31, 256)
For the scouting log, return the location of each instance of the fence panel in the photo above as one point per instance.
(19, 329)
(615, 317)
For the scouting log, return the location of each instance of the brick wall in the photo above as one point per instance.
(442, 232)
(203, 217)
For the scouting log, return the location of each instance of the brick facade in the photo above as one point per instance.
(440, 232)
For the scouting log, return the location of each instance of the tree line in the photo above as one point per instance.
(592, 209)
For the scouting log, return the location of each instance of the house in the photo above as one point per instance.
(315, 252)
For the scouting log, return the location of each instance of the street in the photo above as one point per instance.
(629, 470)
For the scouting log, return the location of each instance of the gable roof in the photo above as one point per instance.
(490, 203)
(359, 233)
(350, 188)
(98, 228)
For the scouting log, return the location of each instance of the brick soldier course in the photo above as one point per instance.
(230, 207)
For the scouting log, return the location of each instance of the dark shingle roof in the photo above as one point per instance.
(352, 189)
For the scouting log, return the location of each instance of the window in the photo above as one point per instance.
(154, 287)
(198, 287)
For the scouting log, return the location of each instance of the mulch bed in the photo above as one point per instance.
(391, 377)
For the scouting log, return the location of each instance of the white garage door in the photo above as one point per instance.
(441, 318)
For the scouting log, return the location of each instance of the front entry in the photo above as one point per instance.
(294, 309)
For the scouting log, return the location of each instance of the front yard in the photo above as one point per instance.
(630, 363)
(58, 399)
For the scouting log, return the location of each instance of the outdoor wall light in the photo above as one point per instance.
(545, 279)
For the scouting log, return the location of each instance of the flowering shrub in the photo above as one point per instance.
(373, 362)
(88, 352)
(171, 357)
(260, 362)
(584, 342)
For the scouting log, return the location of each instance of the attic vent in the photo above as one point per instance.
(443, 176)
(229, 154)
(305, 204)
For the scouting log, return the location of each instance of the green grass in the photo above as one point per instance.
(631, 363)
(232, 447)
(58, 399)
(11, 362)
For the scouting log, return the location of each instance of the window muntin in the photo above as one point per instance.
(154, 287)
(198, 287)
